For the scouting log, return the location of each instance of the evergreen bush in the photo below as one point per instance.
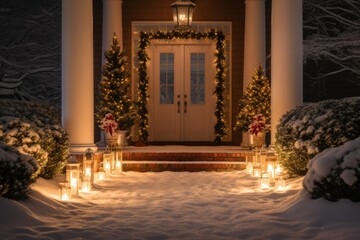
(311, 128)
(16, 172)
(44, 124)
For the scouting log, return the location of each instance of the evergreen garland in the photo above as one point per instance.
(256, 100)
(220, 126)
(114, 88)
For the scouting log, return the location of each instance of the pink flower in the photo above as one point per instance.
(108, 124)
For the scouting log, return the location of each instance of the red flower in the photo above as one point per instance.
(108, 124)
(258, 125)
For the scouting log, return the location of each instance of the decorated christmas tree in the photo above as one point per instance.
(256, 100)
(114, 89)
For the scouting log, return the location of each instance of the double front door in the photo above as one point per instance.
(182, 103)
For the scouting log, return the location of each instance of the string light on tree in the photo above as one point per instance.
(114, 88)
(256, 100)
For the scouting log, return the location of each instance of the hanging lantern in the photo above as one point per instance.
(183, 13)
(88, 165)
(73, 175)
(64, 191)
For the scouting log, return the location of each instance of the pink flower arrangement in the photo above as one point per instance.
(258, 125)
(108, 124)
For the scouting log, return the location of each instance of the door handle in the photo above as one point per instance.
(185, 104)
(178, 103)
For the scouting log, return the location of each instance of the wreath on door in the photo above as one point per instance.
(143, 96)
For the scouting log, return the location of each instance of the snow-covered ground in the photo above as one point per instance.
(178, 205)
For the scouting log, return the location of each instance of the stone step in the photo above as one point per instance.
(182, 158)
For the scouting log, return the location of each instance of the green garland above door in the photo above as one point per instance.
(220, 126)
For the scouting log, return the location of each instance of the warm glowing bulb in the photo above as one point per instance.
(73, 182)
(65, 196)
(86, 187)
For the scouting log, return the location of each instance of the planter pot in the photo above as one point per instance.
(121, 137)
(259, 140)
(111, 140)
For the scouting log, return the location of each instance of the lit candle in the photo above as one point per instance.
(86, 186)
(278, 169)
(65, 196)
(73, 182)
(100, 175)
(64, 191)
(88, 171)
(249, 167)
(257, 171)
(264, 181)
(280, 183)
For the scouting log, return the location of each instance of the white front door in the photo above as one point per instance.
(182, 100)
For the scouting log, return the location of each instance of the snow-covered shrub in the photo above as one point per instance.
(310, 129)
(45, 120)
(335, 173)
(16, 172)
(24, 138)
(55, 142)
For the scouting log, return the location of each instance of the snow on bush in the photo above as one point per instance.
(310, 129)
(20, 135)
(46, 131)
(335, 173)
(16, 172)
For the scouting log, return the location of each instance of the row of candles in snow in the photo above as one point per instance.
(83, 177)
(265, 166)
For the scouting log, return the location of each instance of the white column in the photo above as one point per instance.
(254, 44)
(112, 23)
(286, 59)
(77, 74)
(254, 38)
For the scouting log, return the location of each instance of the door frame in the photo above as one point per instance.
(177, 42)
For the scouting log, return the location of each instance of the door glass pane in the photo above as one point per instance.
(166, 78)
(197, 71)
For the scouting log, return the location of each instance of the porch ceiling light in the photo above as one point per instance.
(183, 13)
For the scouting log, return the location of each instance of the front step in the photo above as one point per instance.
(191, 159)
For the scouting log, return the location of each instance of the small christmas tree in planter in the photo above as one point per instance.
(114, 90)
(256, 100)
